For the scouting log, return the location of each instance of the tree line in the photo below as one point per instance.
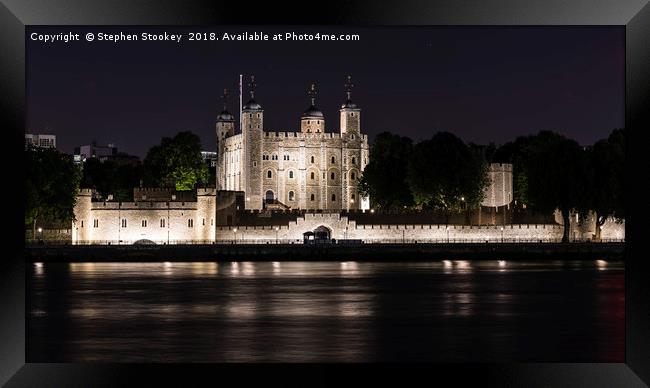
(550, 171)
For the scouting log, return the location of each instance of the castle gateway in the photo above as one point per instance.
(311, 169)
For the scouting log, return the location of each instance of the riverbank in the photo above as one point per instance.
(325, 252)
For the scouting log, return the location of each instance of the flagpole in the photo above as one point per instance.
(240, 104)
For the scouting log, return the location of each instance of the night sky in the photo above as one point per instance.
(483, 84)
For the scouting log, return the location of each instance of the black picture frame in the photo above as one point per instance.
(633, 14)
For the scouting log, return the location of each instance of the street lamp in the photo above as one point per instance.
(40, 230)
(276, 234)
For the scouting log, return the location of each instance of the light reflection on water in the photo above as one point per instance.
(447, 310)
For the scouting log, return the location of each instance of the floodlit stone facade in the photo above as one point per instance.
(154, 218)
(311, 169)
(499, 191)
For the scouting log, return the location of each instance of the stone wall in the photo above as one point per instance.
(160, 222)
(342, 228)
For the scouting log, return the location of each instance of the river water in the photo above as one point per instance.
(485, 311)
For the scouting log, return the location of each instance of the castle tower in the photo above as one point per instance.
(252, 130)
(225, 128)
(312, 120)
(81, 231)
(350, 112)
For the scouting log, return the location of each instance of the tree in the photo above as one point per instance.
(383, 179)
(176, 160)
(111, 178)
(50, 187)
(555, 170)
(444, 172)
(606, 163)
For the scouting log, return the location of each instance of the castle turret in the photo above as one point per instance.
(312, 120)
(350, 112)
(225, 128)
(252, 128)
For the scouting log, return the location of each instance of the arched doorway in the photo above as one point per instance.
(269, 196)
(322, 233)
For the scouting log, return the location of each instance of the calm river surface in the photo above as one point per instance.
(326, 311)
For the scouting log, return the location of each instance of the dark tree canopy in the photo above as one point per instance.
(555, 168)
(443, 172)
(111, 178)
(51, 184)
(176, 160)
(383, 179)
(605, 178)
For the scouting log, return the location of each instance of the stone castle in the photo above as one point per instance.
(311, 169)
(312, 173)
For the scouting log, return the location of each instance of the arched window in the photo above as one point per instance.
(312, 159)
(332, 176)
(333, 197)
(269, 174)
(162, 222)
(190, 223)
(312, 197)
(312, 175)
(354, 197)
(352, 176)
(292, 196)
(333, 160)
(353, 160)
(291, 174)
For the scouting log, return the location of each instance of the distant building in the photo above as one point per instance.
(499, 192)
(120, 159)
(210, 157)
(93, 150)
(39, 140)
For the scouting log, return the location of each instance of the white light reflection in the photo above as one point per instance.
(167, 268)
(276, 267)
(234, 268)
(38, 269)
(601, 264)
(249, 268)
(349, 268)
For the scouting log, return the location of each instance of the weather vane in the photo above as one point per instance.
(312, 93)
(224, 97)
(348, 86)
(252, 85)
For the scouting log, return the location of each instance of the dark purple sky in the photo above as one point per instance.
(483, 84)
